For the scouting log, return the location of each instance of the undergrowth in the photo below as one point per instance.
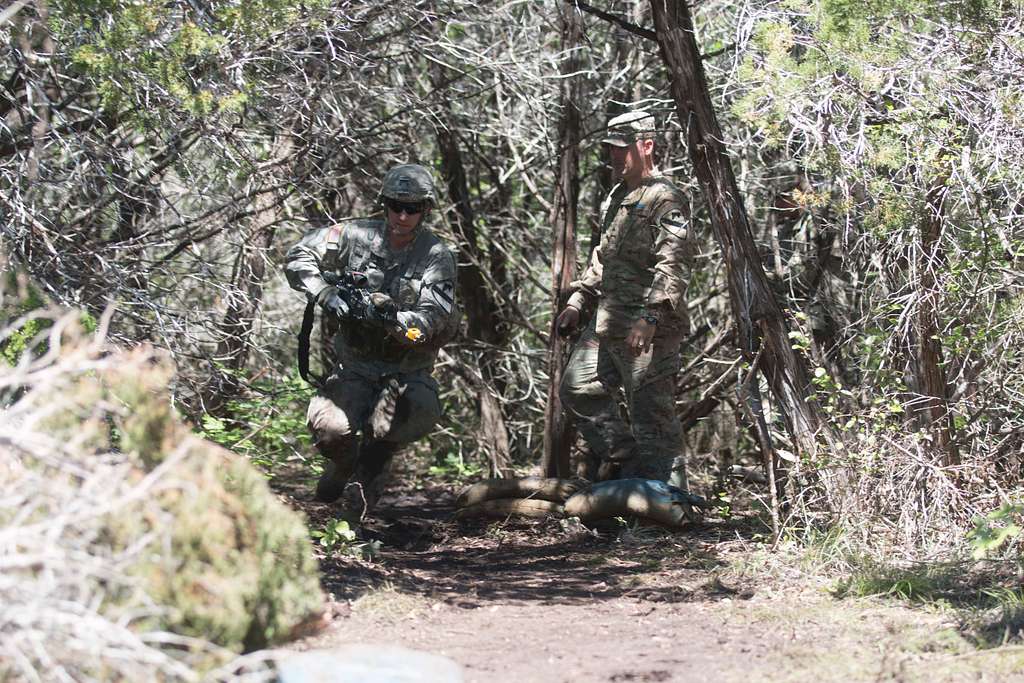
(985, 597)
(267, 425)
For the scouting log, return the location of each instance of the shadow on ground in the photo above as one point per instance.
(470, 563)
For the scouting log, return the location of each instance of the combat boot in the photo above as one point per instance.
(331, 484)
(622, 454)
(336, 474)
(367, 482)
(340, 455)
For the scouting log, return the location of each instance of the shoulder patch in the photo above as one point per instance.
(675, 222)
(443, 294)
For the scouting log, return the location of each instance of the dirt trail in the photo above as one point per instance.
(534, 601)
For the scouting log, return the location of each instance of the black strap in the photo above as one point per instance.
(304, 333)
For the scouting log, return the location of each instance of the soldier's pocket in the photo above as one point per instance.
(408, 291)
(663, 364)
(406, 411)
(638, 247)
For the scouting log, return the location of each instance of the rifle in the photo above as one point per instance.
(351, 287)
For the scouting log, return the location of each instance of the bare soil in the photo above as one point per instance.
(548, 601)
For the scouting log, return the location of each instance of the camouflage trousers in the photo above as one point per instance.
(359, 419)
(650, 445)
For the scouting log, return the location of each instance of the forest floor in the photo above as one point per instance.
(545, 601)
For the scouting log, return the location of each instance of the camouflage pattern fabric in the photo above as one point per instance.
(409, 183)
(641, 266)
(359, 409)
(420, 279)
(596, 371)
(382, 391)
(397, 409)
(643, 262)
(625, 129)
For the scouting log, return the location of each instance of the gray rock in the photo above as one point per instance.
(367, 663)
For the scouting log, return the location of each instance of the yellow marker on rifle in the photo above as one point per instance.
(414, 334)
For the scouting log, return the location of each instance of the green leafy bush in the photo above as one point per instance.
(267, 425)
(995, 529)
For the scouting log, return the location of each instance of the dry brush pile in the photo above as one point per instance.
(130, 549)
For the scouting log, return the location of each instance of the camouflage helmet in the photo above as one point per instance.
(625, 129)
(408, 183)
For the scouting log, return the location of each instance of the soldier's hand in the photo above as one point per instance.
(568, 321)
(382, 309)
(332, 303)
(640, 337)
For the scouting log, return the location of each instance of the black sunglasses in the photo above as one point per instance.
(399, 207)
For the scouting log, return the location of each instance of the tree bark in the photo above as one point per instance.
(481, 312)
(931, 373)
(558, 431)
(617, 100)
(753, 304)
(245, 299)
(40, 90)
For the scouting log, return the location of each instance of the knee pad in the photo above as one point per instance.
(405, 412)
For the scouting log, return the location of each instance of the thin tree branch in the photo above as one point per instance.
(638, 30)
(613, 19)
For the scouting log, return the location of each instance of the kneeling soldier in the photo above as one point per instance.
(390, 282)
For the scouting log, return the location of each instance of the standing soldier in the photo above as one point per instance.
(634, 293)
(396, 308)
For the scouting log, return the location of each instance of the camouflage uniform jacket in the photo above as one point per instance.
(420, 278)
(644, 260)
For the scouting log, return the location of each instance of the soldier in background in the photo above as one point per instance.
(381, 394)
(633, 292)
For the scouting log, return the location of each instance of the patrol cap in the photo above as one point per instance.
(625, 129)
(409, 183)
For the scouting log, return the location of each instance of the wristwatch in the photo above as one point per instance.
(650, 318)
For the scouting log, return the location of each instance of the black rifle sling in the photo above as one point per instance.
(304, 333)
(330, 259)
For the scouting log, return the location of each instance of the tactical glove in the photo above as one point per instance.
(332, 303)
(382, 309)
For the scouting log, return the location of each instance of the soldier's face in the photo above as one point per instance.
(628, 162)
(403, 221)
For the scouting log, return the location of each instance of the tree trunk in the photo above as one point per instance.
(244, 302)
(481, 319)
(754, 306)
(247, 297)
(931, 373)
(558, 432)
(40, 90)
(616, 102)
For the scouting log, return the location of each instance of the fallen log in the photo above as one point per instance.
(536, 488)
(505, 507)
